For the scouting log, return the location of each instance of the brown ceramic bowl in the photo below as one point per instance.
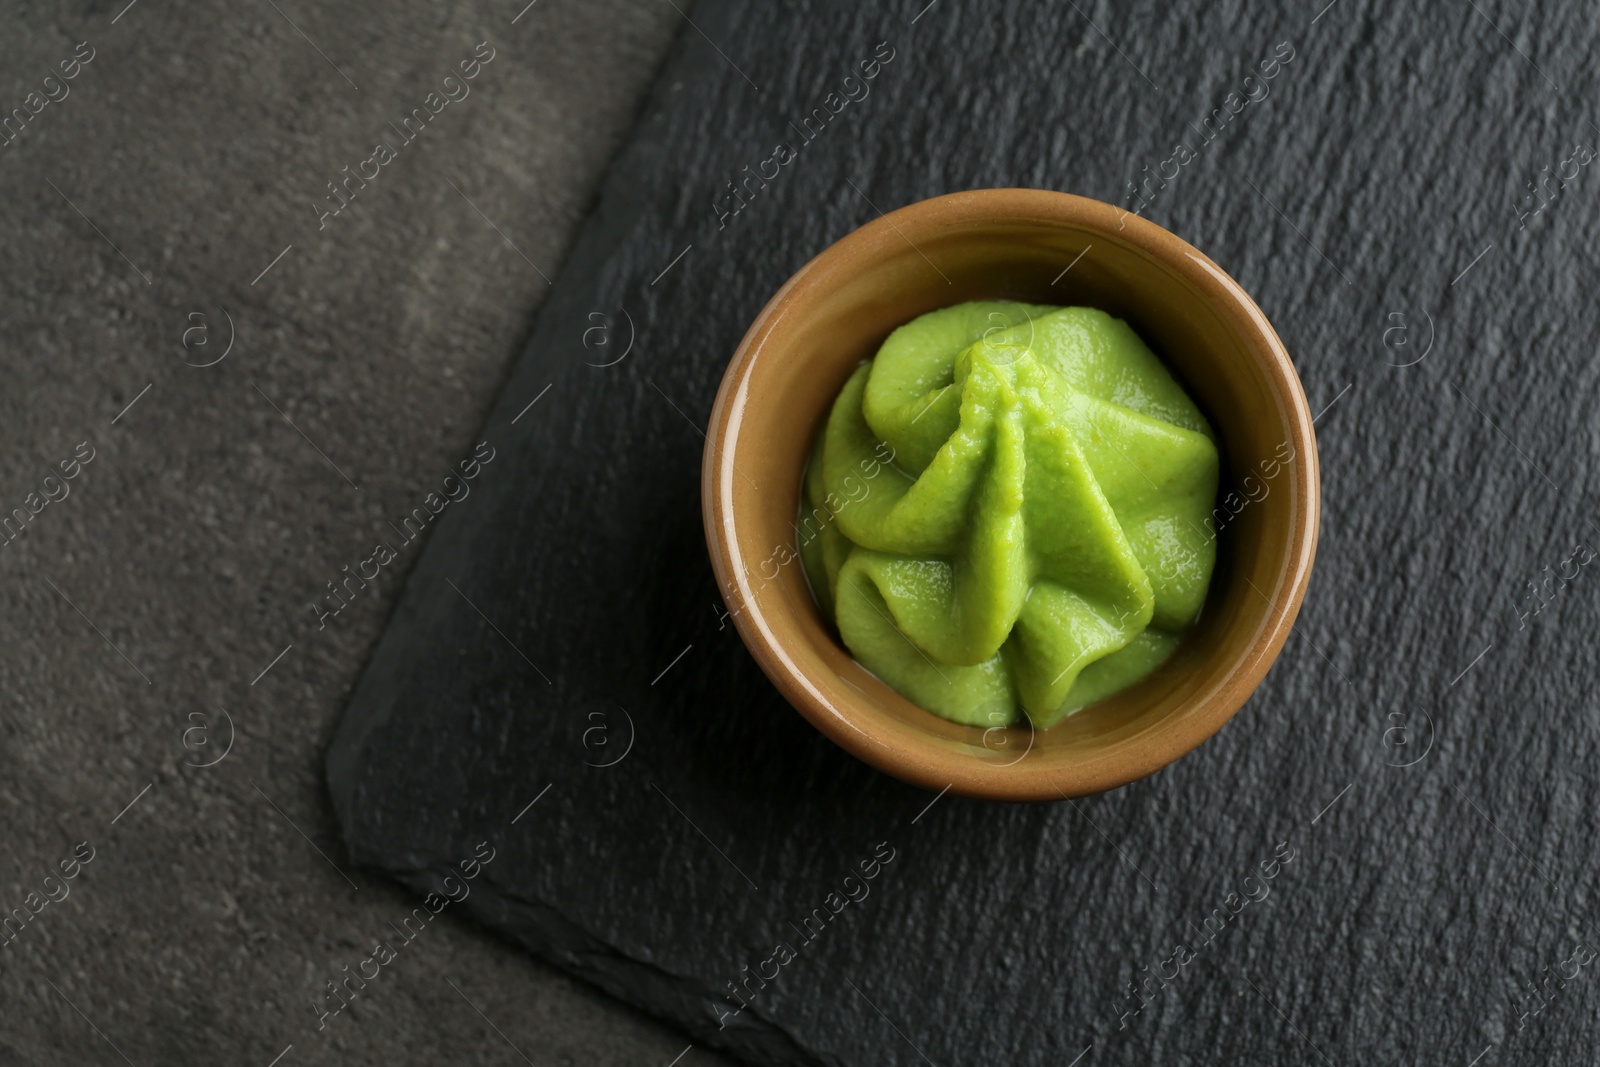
(1012, 244)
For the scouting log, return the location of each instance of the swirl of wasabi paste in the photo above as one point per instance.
(1038, 538)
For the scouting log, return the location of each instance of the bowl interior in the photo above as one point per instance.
(838, 310)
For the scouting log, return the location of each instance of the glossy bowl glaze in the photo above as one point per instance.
(1049, 248)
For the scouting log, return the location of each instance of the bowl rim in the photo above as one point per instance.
(932, 766)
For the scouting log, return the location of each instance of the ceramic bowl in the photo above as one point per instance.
(1043, 247)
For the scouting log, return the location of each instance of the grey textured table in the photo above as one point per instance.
(183, 158)
(1384, 858)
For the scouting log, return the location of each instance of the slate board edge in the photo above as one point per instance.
(669, 997)
(533, 924)
(539, 928)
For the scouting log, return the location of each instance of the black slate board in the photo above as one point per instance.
(1424, 754)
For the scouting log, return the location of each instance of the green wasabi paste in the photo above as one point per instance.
(1039, 540)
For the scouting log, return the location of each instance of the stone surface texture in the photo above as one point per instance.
(1414, 773)
(196, 140)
